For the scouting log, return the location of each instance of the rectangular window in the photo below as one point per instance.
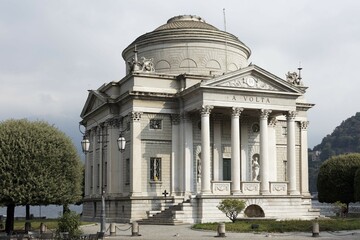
(155, 169)
(285, 170)
(284, 131)
(127, 171)
(226, 169)
(155, 124)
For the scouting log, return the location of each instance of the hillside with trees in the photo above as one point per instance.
(344, 139)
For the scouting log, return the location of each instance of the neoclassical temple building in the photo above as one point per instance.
(201, 124)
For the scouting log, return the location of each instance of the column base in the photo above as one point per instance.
(293, 192)
(236, 192)
(265, 192)
(205, 193)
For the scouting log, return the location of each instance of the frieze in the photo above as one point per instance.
(248, 82)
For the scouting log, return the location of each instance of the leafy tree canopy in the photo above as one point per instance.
(336, 178)
(39, 165)
(231, 208)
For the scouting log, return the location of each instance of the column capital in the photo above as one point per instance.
(236, 111)
(304, 125)
(264, 113)
(273, 121)
(114, 122)
(291, 115)
(175, 119)
(206, 109)
(135, 116)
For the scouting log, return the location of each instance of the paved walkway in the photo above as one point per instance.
(159, 232)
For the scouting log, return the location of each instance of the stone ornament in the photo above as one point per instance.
(264, 113)
(248, 82)
(206, 110)
(293, 78)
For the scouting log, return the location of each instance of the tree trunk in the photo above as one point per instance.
(66, 208)
(27, 219)
(10, 211)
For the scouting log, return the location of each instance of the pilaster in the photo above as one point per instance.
(135, 154)
(304, 186)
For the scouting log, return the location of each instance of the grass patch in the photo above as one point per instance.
(35, 224)
(284, 226)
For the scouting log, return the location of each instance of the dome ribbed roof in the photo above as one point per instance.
(186, 21)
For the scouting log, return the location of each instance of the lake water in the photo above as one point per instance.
(54, 211)
(50, 211)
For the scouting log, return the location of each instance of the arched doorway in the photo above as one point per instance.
(254, 211)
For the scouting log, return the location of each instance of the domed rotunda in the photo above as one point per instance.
(189, 44)
(193, 123)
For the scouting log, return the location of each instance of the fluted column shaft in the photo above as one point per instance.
(205, 149)
(235, 150)
(291, 156)
(264, 151)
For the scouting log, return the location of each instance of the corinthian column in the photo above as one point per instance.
(235, 150)
(291, 156)
(205, 149)
(264, 151)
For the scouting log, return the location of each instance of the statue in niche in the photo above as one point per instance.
(255, 168)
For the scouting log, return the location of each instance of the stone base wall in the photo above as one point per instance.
(201, 209)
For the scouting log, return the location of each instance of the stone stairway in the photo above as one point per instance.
(168, 216)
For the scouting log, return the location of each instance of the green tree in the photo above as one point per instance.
(39, 165)
(69, 222)
(336, 179)
(231, 208)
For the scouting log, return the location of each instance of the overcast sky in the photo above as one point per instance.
(52, 52)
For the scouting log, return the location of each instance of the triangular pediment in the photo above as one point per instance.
(94, 101)
(252, 78)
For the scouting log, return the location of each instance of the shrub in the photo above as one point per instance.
(231, 208)
(69, 223)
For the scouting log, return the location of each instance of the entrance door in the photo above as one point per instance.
(226, 169)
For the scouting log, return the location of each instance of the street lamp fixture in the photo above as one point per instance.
(121, 143)
(85, 145)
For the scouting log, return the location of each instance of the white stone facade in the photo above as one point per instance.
(195, 116)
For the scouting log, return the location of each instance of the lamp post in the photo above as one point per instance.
(85, 145)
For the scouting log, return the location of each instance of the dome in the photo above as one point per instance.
(186, 21)
(187, 44)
